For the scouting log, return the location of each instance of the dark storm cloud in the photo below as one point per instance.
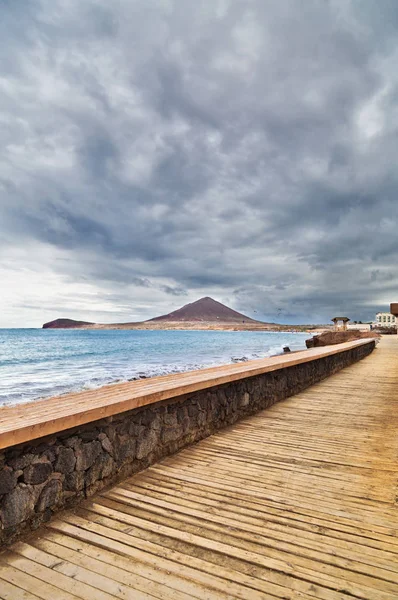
(245, 150)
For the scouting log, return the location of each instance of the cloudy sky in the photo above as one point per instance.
(156, 151)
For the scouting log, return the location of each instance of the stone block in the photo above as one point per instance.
(110, 431)
(66, 461)
(50, 496)
(86, 455)
(136, 431)
(38, 472)
(171, 434)
(125, 447)
(8, 480)
(156, 423)
(193, 410)
(106, 443)
(170, 420)
(89, 435)
(245, 400)
(74, 482)
(182, 413)
(147, 444)
(103, 467)
(201, 419)
(73, 442)
(18, 506)
(50, 454)
(22, 461)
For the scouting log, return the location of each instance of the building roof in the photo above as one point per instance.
(340, 319)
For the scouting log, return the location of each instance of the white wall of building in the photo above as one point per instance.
(385, 319)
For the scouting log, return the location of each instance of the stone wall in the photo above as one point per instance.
(40, 478)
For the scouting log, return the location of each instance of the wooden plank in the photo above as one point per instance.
(270, 519)
(325, 575)
(29, 583)
(45, 417)
(96, 574)
(62, 586)
(273, 583)
(246, 528)
(8, 591)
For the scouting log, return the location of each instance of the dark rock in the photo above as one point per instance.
(182, 413)
(125, 448)
(193, 410)
(136, 431)
(108, 466)
(38, 472)
(170, 420)
(105, 443)
(73, 442)
(8, 480)
(286, 349)
(122, 428)
(185, 425)
(50, 495)
(66, 461)
(88, 436)
(86, 455)
(17, 506)
(147, 444)
(110, 432)
(245, 400)
(103, 467)
(171, 434)
(50, 454)
(74, 482)
(201, 419)
(21, 462)
(146, 418)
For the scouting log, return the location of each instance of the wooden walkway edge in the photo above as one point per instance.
(21, 423)
(297, 502)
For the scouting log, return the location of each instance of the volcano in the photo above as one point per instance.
(205, 309)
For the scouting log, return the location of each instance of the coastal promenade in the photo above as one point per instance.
(295, 502)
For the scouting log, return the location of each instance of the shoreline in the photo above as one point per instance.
(95, 372)
(197, 326)
(244, 360)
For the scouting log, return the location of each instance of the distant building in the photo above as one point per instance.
(385, 319)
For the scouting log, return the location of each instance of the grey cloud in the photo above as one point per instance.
(245, 150)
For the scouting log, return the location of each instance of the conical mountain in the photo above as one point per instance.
(206, 309)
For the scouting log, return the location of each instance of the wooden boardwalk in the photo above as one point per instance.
(297, 502)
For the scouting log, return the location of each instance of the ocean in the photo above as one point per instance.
(37, 363)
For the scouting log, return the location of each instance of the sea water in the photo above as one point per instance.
(37, 363)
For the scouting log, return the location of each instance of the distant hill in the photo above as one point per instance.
(205, 309)
(66, 324)
(205, 313)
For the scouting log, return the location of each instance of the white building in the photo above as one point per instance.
(385, 319)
